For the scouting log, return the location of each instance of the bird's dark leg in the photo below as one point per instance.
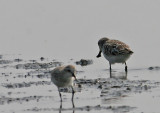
(110, 66)
(125, 67)
(60, 94)
(60, 108)
(99, 54)
(110, 74)
(73, 97)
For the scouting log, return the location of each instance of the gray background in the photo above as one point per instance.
(71, 28)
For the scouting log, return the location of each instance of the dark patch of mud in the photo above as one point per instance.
(37, 65)
(1, 56)
(25, 84)
(43, 76)
(10, 93)
(8, 100)
(42, 58)
(5, 61)
(84, 62)
(111, 88)
(18, 60)
(35, 74)
(154, 68)
(118, 109)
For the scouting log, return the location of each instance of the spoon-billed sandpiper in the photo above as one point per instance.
(114, 51)
(63, 77)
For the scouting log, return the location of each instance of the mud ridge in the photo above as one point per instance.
(86, 108)
(8, 100)
(37, 65)
(25, 84)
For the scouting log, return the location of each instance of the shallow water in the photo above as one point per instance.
(29, 88)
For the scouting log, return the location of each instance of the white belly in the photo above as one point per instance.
(117, 59)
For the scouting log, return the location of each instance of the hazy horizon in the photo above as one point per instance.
(71, 29)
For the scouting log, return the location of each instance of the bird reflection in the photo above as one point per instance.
(121, 75)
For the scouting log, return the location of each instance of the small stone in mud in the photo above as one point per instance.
(42, 58)
(100, 86)
(128, 88)
(98, 107)
(84, 62)
(25, 76)
(88, 108)
(79, 85)
(17, 60)
(9, 101)
(150, 68)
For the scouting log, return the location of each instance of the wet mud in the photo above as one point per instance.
(25, 84)
(7, 100)
(29, 82)
(5, 61)
(37, 65)
(115, 109)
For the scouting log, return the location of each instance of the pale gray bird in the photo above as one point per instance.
(64, 76)
(114, 51)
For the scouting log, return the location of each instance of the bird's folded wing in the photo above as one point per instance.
(115, 47)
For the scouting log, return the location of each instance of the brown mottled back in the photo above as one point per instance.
(116, 47)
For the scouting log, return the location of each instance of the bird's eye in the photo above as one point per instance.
(69, 70)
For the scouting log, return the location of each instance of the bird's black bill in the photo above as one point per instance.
(99, 54)
(74, 76)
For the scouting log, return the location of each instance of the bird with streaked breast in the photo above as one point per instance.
(114, 51)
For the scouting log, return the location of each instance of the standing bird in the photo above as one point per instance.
(63, 76)
(114, 51)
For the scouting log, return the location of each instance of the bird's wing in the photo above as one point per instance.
(56, 73)
(115, 47)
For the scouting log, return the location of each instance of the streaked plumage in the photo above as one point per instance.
(63, 76)
(114, 51)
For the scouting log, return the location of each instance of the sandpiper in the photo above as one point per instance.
(64, 76)
(114, 51)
